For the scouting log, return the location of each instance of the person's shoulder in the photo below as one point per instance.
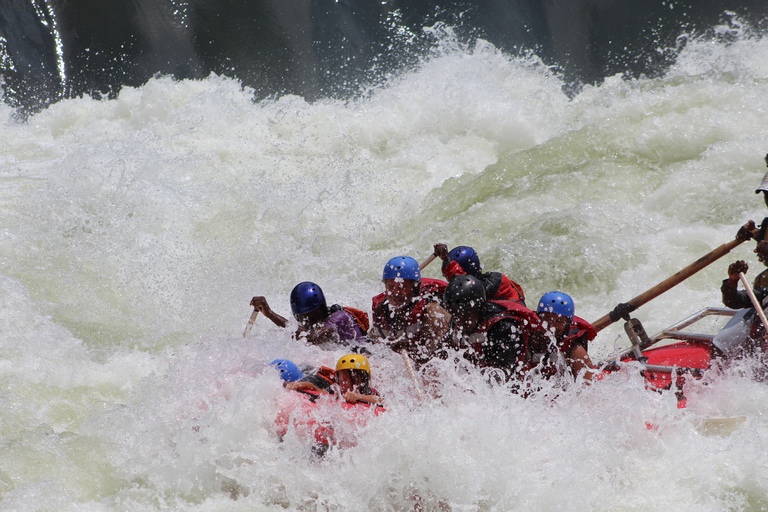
(579, 325)
(432, 288)
(761, 281)
(505, 323)
(341, 317)
(340, 314)
(433, 308)
(487, 276)
(499, 317)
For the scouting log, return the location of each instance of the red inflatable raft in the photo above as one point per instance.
(321, 419)
(677, 353)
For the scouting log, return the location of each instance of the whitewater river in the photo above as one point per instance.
(135, 231)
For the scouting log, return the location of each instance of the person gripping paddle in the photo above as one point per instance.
(327, 327)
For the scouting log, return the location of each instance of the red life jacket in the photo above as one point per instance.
(509, 290)
(528, 320)
(429, 287)
(579, 328)
(412, 330)
(327, 374)
(431, 290)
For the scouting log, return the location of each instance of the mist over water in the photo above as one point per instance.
(135, 232)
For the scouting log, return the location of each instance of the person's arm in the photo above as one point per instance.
(441, 251)
(376, 331)
(579, 360)
(434, 324)
(732, 297)
(352, 397)
(302, 385)
(747, 232)
(319, 334)
(261, 304)
(375, 335)
(450, 267)
(540, 340)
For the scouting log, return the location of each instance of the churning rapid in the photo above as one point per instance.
(136, 230)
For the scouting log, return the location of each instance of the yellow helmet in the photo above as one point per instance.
(353, 362)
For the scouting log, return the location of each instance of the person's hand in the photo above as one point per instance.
(441, 251)
(622, 310)
(746, 232)
(400, 345)
(735, 268)
(352, 397)
(319, 334)
(762, 251)
(260, 303)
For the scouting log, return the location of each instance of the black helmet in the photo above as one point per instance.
(464, 293)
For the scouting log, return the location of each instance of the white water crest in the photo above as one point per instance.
(135, 232)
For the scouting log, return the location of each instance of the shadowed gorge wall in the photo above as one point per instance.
(322, 48)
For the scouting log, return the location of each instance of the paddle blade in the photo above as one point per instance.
(720, 426)
(250, 322)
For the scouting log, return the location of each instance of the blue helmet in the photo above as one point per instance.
(289, 372)
(467, 259)
(306, 297)
(404, 267)
(556, 302)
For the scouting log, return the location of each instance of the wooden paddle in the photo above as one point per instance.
(755, 302)
(250, 322)
(719, 426)
(668, 283)
(409, 365)
(427, 261)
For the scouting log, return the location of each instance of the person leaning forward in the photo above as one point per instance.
(318, 324)
(759, 235)
(409, 315)
(463, 260)
(739, 299)
(560, 347)
(494, 335)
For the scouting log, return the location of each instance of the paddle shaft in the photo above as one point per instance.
(250, 322)
(427, 261)
(672, 281)
(755, 302)
(409, 365)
